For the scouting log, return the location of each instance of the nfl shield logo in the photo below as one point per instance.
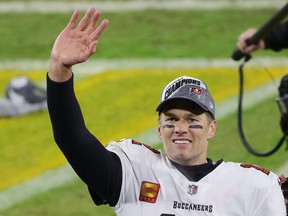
(192, 189)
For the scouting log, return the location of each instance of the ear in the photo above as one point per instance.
(212, 129)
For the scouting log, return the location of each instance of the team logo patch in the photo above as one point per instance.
(192, 189)
(149, 191)
(196, 90)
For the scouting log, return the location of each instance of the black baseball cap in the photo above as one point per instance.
(190, 89)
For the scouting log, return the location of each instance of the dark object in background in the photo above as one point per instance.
(22, 96)
(284, 187)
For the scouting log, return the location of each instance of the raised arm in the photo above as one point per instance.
(99, 168)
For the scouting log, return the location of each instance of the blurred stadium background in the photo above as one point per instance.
(146, 44)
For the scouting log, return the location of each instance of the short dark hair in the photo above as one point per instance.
(210, 117)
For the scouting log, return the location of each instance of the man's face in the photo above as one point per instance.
(185, 135)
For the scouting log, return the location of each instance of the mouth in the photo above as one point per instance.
(182, 141)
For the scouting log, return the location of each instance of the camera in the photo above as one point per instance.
(282, 102)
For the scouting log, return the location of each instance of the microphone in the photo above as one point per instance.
(262, 31)
(282, 103)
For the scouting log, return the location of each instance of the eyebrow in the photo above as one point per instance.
(169, 114)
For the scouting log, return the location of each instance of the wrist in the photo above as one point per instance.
(59, 72)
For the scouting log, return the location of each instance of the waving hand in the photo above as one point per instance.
(75, 44)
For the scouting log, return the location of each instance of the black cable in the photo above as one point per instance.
(240, 126)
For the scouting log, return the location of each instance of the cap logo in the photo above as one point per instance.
(195, 90)
(178, 84)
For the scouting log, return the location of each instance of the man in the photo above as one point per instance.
(135, 179)
(276, 39)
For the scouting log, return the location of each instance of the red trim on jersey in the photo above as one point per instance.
(147, 146)
(256, 167)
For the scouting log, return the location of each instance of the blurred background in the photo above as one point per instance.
(146, 44)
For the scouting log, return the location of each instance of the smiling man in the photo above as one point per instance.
(186, 120)
(135, 179)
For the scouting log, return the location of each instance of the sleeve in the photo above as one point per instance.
(268, 200)
(99, 168)
(277, 39)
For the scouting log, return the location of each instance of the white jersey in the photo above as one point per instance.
(152, 186)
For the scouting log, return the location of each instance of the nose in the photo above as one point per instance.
(181, 127)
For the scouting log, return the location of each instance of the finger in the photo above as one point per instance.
(85, 20)
(73, 20)
(241, 46)
(99, 30)
(88, 52)
(251, 48)
(92, 26)
(95, 19)
(92, 48)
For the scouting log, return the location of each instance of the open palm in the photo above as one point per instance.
(76, 44)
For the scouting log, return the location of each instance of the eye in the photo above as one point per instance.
(171, 119)
(191, 120)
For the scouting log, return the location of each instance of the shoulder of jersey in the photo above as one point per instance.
(132, 146)
(256, 175)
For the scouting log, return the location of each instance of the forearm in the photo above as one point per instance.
(96, 166)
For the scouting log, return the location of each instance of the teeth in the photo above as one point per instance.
(181, 141)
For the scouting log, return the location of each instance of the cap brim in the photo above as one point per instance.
(172, 102)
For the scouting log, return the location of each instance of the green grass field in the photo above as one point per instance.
(147, 34)
(27, 146)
